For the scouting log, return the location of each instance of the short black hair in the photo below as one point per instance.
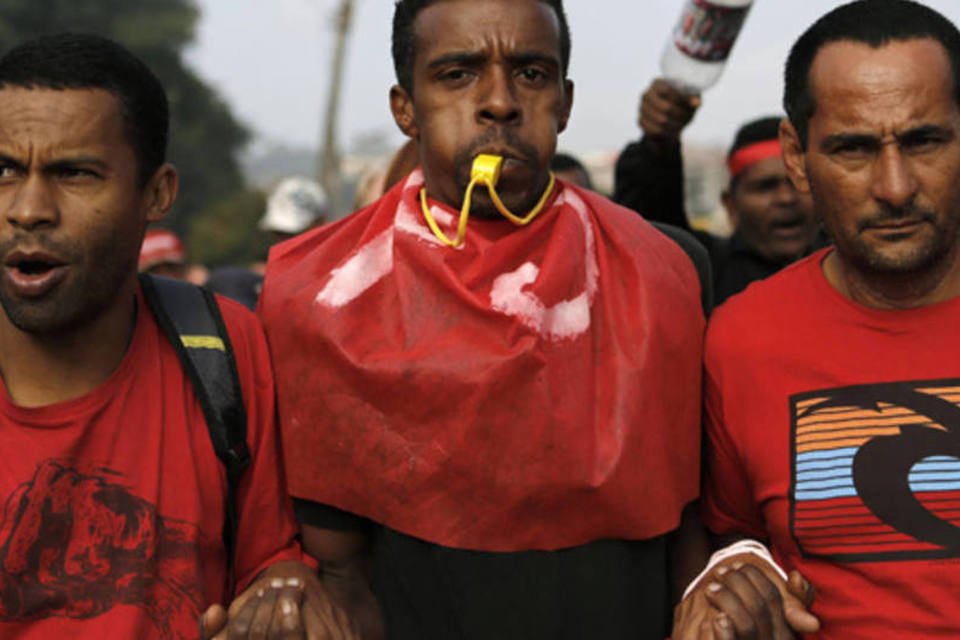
(404, 45)
(84, 61)
(875, 23)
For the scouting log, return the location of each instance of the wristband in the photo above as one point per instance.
(746, 545)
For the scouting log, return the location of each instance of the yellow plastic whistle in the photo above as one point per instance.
(485, 170)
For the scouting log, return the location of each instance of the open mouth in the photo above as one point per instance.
(32, 274)
(789, 226)
(33, 267)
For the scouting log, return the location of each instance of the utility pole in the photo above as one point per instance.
(329, 162)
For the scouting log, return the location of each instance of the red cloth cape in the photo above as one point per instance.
(536, 388)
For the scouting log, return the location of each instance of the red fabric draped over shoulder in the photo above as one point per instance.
(535, 388)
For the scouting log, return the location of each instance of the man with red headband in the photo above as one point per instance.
(772, 223)
(495, 386)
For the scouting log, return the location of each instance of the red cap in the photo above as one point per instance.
(160, 246)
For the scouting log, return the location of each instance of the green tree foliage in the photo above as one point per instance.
(227, 232)
(206, 138)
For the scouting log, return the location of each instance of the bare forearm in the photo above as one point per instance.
(350, 588)
(689, 551)
(344, 558)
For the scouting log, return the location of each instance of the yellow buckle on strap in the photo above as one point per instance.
(203, 342)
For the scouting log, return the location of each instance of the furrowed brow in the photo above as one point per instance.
(925, 132)
(76, 161)
(843, 140)
(10, 161)
(534, 57)
(463, 58)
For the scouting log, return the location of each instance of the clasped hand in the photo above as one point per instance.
(743, 598)
(287, 601)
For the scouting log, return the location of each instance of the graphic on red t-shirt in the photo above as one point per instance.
(876, 471)
(75, 544)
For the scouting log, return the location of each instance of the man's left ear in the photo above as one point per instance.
(160, 192)
(566, 106)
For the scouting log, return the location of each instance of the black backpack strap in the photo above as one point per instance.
(190, 317)
(698, 255)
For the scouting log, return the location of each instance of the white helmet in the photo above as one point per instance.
(294, 206)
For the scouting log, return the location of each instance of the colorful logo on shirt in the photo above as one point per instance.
(75, 545)
(876, 471)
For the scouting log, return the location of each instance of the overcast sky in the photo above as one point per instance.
(270, 61)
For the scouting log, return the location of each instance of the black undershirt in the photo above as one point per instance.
(609, 589)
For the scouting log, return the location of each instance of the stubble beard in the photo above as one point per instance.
(879, 258)
(924, 254)
(74, 303)
(918, 259)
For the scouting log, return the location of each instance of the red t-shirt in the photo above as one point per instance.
(834, 433)
(114, 501)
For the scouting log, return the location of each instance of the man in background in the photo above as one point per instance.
(295, 205)
(162, 254)
(772, 223)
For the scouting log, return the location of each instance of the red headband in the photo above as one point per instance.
(751, 154)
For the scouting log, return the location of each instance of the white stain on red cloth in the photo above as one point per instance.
(374, 261)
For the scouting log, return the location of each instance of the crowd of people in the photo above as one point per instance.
(492, 403)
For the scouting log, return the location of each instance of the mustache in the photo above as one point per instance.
(499, 137)
(35, 242)
(887, 214)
